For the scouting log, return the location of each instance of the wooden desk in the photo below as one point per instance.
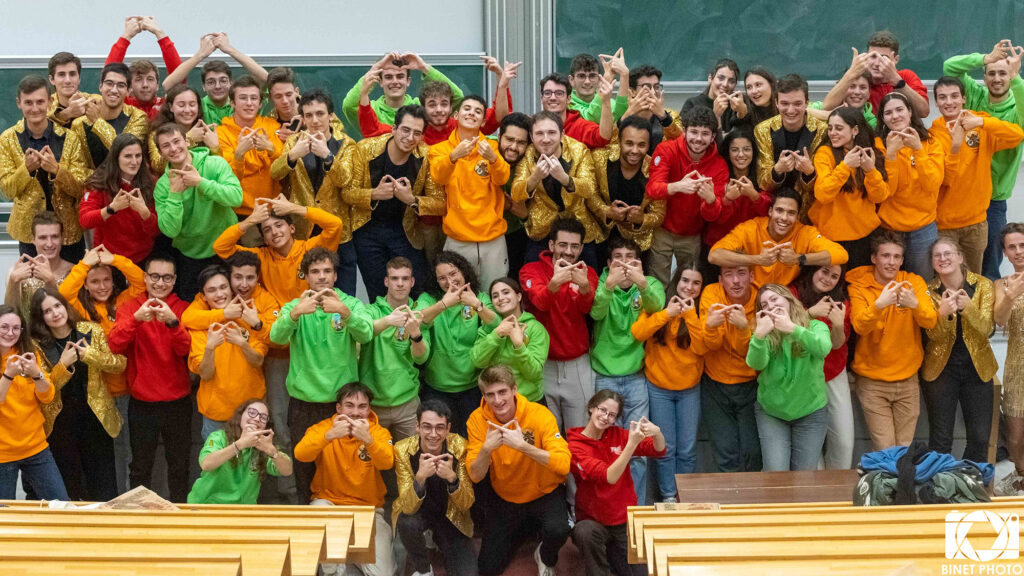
(768, 487)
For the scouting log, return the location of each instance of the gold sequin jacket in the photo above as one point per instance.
(138, 126)
(770, 137)
(408, 502)
(299, 187)
(653, 210)
(542, 210)
(977, 328)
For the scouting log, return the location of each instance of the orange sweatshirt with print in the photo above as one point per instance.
(839, 214)
(473, 188)
(234, 379)
(889, 344)
(253, 170)
(914, 180)
(966, 189)
(667, 365)
(21, 416)
(347, 471)
(726, 358)
(72, 285)
(516, 477)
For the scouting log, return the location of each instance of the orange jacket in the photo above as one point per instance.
(253, 170)
(914, 180)
(966, 189)
(889, 347)
(844, 215)
(750, 237)
(473, 188)
(21, 417)
(667, 365)
(234, 380)
(347, 471)
(515, 476)
(726, 358)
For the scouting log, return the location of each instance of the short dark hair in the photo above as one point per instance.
(280, 75)
(497, 374)
(475, 98)
(31, 83)
(700, 117)
(414, 110)
(244, 82)
(46, 218)
(436, 89)
(1010, 228)
(570, 225)
(61, 58)
(217, 66)
(885, 39)
(316, 95)
(164, 129)
(159, 257)
(435, 406)
(211, 272)
(545, 115)
(617, 242)
(725, 63)
(508, 281)
(142, 66)
(640, 71)
(353, 388)
(557, 79)
(397, 263)
(584, 62)
(516, 119)
(788, 193)
(882, 236)
(634, 121)
(116, 68)
(948, 81)
(241, 259)
(315, 255)
(791, 83)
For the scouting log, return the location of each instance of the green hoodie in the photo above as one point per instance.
(197, 216)
(212, 113)
(1005, 162)
(385, 113)
(387, 364)
(527, 363)
(323, 348)
(615, 351)
(452, 335)
(592, 110)
(791, 387)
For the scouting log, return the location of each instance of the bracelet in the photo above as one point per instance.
(237, 451)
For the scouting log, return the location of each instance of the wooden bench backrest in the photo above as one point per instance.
(23, 565)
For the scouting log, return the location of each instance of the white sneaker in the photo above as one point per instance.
(542, 568)
(1008, 485)
(427, 573)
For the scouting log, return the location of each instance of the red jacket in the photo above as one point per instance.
(686, 214)
(878, 91)
(596, 499)
(157, 355)
(736, 212)
(578, 128)
(563, 313)
(370, 126)
(171, 61)
(124, 233)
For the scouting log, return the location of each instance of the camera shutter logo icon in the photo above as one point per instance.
(1005, 546)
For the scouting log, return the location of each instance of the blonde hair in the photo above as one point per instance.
(797, 314)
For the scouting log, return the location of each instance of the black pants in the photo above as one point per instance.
(375, 244)
(727, 414)
(84, 452)
(505, 520)
(347, 266)
(859, 251)
(605, 549)
(188, 270)
(70, 252)
(457, 548)
(516, 243)
(148, 422)
(959, 384)
(302, 415)
(462, 404)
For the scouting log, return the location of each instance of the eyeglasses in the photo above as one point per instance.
(259, 416)
(586, 75)
(438, 429)
(406, 131)
(217, 82)
(165, 278)
(606, 412)
(944, 255)
(10, 328)
(658, 88)
(112, 84)
(553, 93)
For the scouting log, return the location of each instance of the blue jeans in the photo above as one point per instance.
(994, 250)
(794, 444)
(375, 243)
(677, 413)
(38, 471)
(916, 258)
(633, 388)
(210, 426)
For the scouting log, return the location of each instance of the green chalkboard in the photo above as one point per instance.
(808, 37)
(335, 79)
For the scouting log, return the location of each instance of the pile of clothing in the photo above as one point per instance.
(914, 475)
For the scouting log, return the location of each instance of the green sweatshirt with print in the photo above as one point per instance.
(452, 335)
(387, 364)
(526, 362)
(792, 386)
(615, 351)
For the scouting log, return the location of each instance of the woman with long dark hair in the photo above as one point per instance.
(742, 200)
(82, 419)
(759, 85)
(118, 202)
(851, 183)
(236, 458)
(181, 106)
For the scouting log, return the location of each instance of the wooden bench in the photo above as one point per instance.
(23, 565)
(768, 487)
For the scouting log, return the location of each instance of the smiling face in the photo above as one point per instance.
(858, 92)
(741, 153)
(129, 161)
(554, 97)
(144, 86)
(604, 414)
(185, 108)
(278, 234)
(782, 217)
(448, 276)
(355, 406)
(997, 78)
(826, 278)
(950, 101)
(793, 109)
(409, 134)
(55, 315)
(243, 280)
(502, 399)
(585, 83)
(285, 98)
(217, 86)
(1013, 248)
(438, 108)
(723, 81)
(840, 134)
(10, 331)
(896, 115)
(470, 115)
(633, 146)
(506, 300)
(246, 103)
(698, 140)
(173, 148)
(321, 275)
(887, 261)
(878, 65)
(217, 292)
(255, 416)
(433, 429)
(736, 283)
(160, 277)
(512, 143)
(65, 80)
(547, 137)
(774, 302)
(33, 106)
(394, 81)
(47, 240)
(114, 89)
(690, 283)
(759, 90)
(99, 283)
(946, 258)
(566, 246)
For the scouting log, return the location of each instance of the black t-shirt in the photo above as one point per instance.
(77, 387)
(630, 191)
(97, 150)
(393, 209)
(437, 489)
(28, 141)
(960, 355)
(316, 167)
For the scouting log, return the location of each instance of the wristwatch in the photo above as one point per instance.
(416, 338)
(899, 85)
(110, 211)
(802, 259)
(666, 120)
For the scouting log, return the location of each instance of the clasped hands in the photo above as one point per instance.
(899, 293)
(782, 252)
(790, 160)
(345, 426)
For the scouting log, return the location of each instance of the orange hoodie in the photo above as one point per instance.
(234, 380)
(21, 416)
(726, 357)
(515, 476)
(253, 170)
(967, 187)
(839, 214)
(914, 180)
(889, 347)
(347, 471)
(473, 187)
(667, 365)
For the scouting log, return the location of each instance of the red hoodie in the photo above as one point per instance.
(596, 499)
(563, 313)
(157, 355)
(370, 125)
(171, 61)
(579, 128)
(124, 233)
(686, 214)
